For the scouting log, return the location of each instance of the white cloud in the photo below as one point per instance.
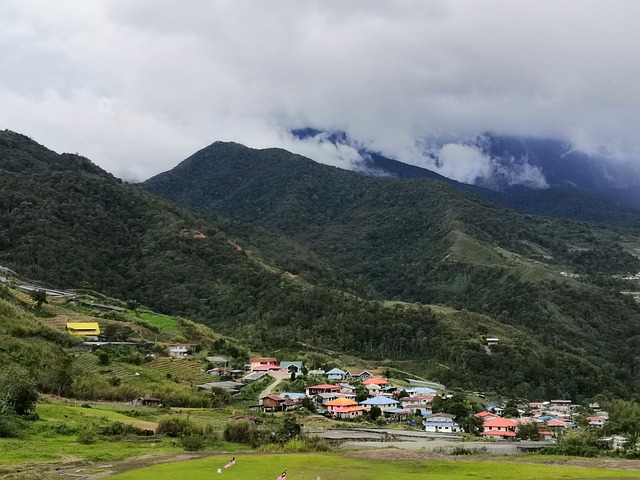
(138, 86)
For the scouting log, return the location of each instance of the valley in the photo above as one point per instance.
(116, 304)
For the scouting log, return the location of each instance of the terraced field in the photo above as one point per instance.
(23, 297)
(158, 370)
(191, 371)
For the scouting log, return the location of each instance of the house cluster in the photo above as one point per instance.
(552, 417)
(337, 397)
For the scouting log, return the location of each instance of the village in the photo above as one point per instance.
(368, 395)
(341, 398)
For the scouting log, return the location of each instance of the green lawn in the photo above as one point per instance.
(54, 448)
(331, 467)
(163, 321)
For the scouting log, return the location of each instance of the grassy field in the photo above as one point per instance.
(66, 448)
(330, 467)
(162, 321)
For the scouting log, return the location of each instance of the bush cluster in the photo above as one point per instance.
(190, 436)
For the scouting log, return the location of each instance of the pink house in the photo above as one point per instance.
(503, 428)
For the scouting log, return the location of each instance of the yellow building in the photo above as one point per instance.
(83, 329)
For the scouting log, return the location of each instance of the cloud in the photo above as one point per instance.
(138, 86)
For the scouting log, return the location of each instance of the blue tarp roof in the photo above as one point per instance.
(291, 395)
(396, 410)
(422, 390)
(379, 401)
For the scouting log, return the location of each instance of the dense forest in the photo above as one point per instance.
(309, 256)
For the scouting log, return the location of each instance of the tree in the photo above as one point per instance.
(18, 394)
(528, 431)
(375, 412)
(219, 397)
(38, 296)
(290, 428)
(470, 424)
(117, 333)
(511, 410)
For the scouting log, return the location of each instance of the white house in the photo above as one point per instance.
(597, 422)
(441, 423)
(181, 349)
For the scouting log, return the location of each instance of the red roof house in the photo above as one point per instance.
(499, 428)
(324, 388)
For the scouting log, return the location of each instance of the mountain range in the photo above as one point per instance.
(568, 183)
(283, 252)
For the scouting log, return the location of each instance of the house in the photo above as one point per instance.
(485, 415)
(615, 442)
(324, 398)
(256, 361)
(220, 361)
(348, 413)
(376, 381)
(546, 434)
(254, 376)
(491, 341)
(441, 423)
(556, 425)
(295, 396)
(316, 371)
(269, 368)
(414, 391)
(563, 406)
(231, 387)
(339, 404)
(273, 403)
(346, 388)
(422, 402)
(336, 374)
(292, 367)
(597, 422)
(324, 388)
(373, 390)
(181, 349)
(380, 402)
(396, 413)
(361, 375)
(83, 329)
(147, 402)
(503, 428)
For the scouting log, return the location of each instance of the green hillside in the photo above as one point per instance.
(352, 246)
(421, 240)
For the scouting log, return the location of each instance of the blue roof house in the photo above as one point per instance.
(336, 374)
(381, 402)
(441, 423)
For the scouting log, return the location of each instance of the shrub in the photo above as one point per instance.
(193, 442)
(469, 451)
(241, 431)
(11, 426)
(175, 426)
(316, 444)
(87, 434)
(120, 429)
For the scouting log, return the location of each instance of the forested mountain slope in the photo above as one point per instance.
(422, 240)
(65, 221)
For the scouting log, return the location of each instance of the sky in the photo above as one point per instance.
(138, 86)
